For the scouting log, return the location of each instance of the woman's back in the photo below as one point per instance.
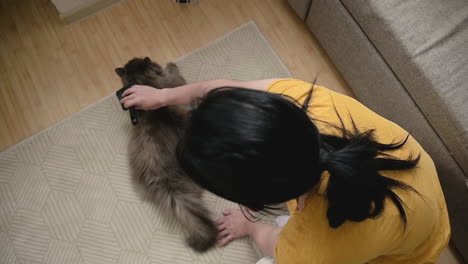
(308, 238)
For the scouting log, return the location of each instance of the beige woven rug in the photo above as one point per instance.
(66, 195)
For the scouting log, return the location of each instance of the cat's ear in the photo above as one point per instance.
(120, 71)
(147, 60)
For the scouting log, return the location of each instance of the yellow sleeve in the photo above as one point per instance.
(293, 88)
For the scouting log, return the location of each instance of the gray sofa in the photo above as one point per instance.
(408, 61)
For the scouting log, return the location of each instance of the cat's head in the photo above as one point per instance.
(139, 71)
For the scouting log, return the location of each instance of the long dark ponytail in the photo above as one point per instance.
(356, 190)
(260, 149)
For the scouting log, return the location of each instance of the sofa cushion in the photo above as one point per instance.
(425, 43)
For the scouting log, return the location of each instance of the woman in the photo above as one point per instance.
(358, 187)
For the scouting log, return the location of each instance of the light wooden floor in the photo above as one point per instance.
(50, 70)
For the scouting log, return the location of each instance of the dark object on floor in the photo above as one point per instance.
(186, 1)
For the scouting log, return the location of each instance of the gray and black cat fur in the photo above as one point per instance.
(152, 154)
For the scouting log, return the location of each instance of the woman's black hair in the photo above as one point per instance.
(260, 149)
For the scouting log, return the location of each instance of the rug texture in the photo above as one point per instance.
(66, 195)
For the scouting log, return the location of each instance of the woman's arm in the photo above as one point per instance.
(186, 93)
(148, 98)
(265, 237)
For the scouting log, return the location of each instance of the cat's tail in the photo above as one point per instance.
(182, 198)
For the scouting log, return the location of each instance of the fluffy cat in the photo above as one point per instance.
(152, 154)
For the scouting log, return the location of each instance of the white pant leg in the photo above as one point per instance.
(267, 260)
(280, 221)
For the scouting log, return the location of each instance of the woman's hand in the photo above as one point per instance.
(231, 226)
(234, 225)
(145, 97)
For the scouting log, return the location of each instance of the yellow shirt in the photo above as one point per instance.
(308, 238)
